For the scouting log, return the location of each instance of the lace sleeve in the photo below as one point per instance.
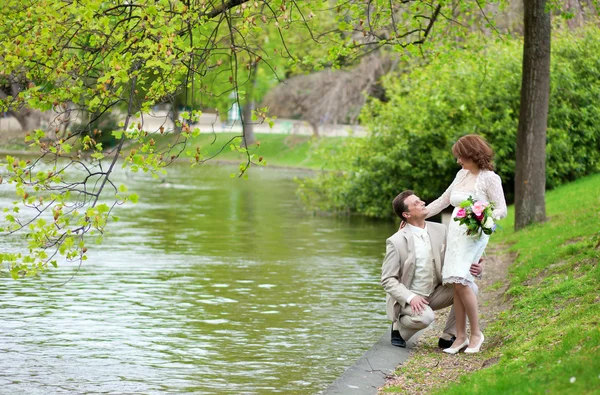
(495, 193)
(443, 201)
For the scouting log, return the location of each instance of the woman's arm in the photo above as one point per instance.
(443, 201)
(496, 195)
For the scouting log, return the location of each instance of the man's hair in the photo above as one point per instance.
(398, 204)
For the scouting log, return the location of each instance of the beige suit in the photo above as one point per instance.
(397, 275)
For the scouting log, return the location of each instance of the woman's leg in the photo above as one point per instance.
(461, 319)
(469, 301)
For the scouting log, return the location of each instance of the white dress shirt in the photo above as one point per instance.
(422, 283)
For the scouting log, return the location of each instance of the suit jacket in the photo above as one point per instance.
(399, 264)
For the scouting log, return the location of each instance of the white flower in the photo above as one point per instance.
(572, 380)
(489, 223)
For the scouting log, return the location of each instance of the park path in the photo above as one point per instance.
(210, 123)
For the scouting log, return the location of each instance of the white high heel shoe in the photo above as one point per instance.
(455, 350)
(473, 350)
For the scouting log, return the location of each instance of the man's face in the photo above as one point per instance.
(415, 208)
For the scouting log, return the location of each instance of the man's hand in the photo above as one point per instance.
(476, 268)
(418, 304)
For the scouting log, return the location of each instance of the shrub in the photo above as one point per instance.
(472, 90)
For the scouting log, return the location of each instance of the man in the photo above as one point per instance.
(412, 273)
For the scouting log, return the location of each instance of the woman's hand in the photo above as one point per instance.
(476, 269)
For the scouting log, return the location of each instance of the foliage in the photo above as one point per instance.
(97, 57)
(474, 89)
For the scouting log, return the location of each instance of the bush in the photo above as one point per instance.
(472, 90)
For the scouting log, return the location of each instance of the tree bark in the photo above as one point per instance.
(530, 173)
(247, 124)
(29, 119)
(315, 128)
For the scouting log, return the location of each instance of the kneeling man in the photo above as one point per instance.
(412, 273)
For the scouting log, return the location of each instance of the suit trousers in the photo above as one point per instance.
(441, 297)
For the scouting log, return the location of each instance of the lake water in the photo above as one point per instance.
(209, 285)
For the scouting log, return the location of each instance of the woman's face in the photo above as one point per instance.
(467, 164)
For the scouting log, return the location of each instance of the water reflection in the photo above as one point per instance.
(208, 285)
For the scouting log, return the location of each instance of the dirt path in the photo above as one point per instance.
(428, 367)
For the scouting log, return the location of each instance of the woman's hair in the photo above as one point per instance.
(475, 148)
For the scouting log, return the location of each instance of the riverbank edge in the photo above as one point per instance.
(218, 162)
(278, 151)
(370, 371)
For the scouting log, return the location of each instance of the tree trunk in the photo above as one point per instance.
(247, 124)
(29, 119)
(530, 173)
(176, 105)
(315, 128)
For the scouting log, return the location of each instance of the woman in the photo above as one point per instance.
(476, 179)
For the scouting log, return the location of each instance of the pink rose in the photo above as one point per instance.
(461, 213)
(478, 208)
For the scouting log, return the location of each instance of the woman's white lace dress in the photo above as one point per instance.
(463, 250)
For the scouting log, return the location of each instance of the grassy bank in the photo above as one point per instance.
(277, 149)
(548, 340)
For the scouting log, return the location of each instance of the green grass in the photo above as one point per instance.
(276, 149)
(550, 336)
(495, 286)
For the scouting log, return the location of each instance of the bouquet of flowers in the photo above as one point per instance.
(476, 216)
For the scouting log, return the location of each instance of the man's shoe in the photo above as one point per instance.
(397, 340)
(443, 343)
